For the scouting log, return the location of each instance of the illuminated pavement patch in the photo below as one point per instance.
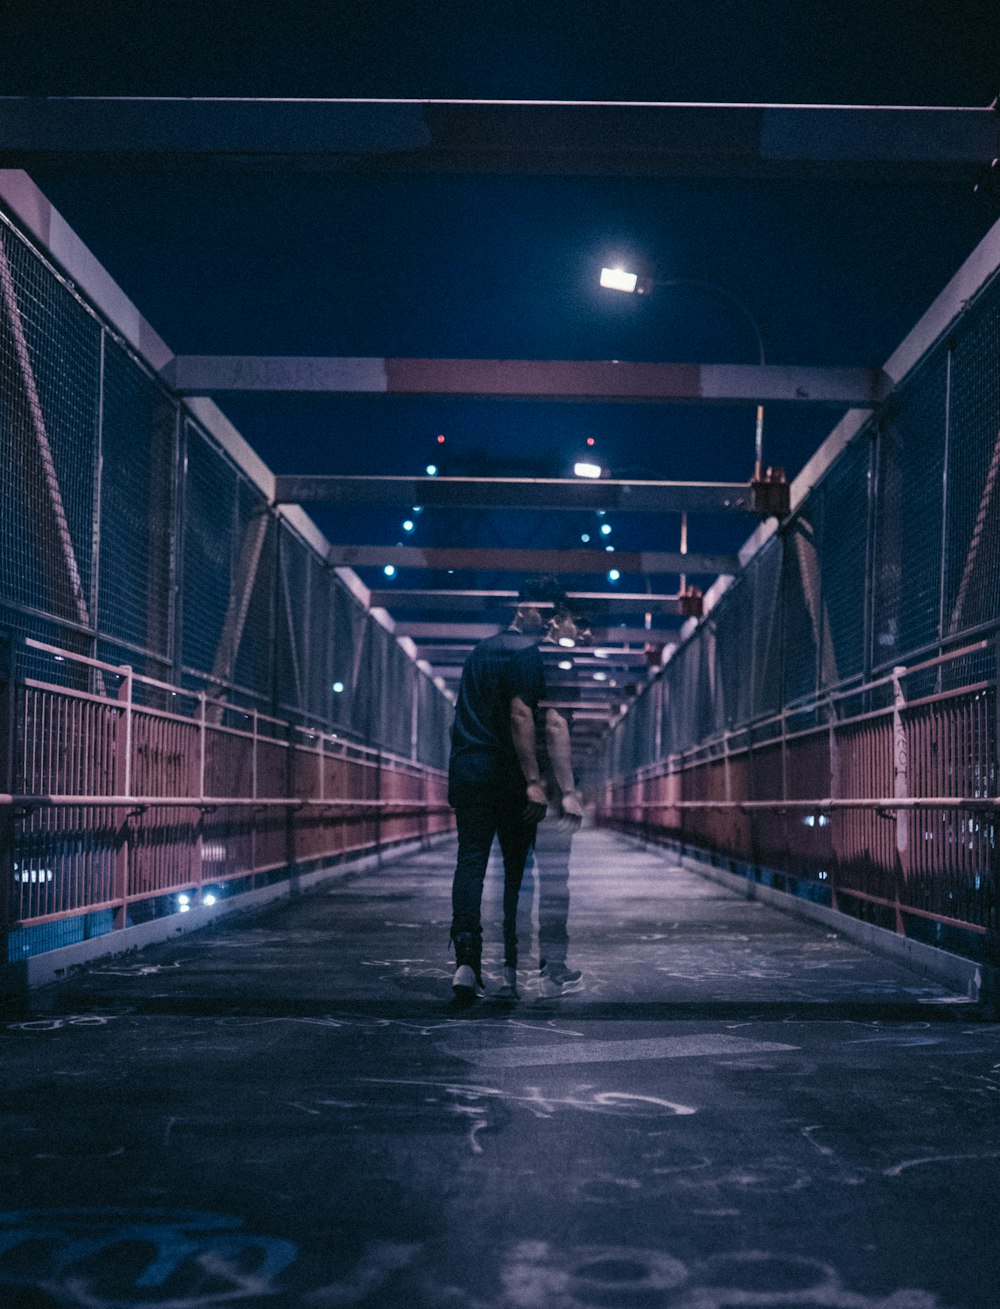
(607, 1052)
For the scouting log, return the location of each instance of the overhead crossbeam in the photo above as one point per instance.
(529, 561)
(538, 379)
(489, 601)
(569, 493)
(530, 136)
(600, 636)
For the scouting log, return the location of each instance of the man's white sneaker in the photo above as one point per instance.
(465, 984)
(557, 979)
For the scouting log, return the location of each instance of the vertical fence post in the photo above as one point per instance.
(199, 838)
(836, 816)
(900, 786)
(7, 815)
(123, 787)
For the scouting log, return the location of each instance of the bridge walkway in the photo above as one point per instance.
(734, 1107)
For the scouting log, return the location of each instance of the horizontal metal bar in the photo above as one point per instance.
(826, 805)
(595, 137)
(207, 802)
(477, 631)
(541, 379)
(555, 493)
(490, 601)
(530, 561)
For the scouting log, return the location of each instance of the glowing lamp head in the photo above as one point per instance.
(584, 468)
(617, 279)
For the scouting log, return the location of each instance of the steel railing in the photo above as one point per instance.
(893, 806)
(141, 790)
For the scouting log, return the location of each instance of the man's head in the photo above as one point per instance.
(536, 600)
(544, 609)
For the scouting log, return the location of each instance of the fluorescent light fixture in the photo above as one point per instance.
(584, 469)
(617, 279)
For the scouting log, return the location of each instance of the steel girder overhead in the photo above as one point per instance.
(554, 379)
(562, 137)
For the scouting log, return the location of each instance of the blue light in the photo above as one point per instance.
(585, 537)
(338, 688)
(408, 525)
(389, 570)
(605, 529)
(432, 470)
(614, 575)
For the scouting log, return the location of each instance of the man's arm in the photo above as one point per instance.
(557, 742)
(522, 728)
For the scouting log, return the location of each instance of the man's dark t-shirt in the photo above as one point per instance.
(482, 745)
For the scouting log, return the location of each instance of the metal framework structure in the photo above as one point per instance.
(182, 633)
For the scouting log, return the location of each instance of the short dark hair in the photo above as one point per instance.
(544, 589)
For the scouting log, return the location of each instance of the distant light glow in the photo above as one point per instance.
(590, 440)
(432, 470)
(614, 575)
(601, 513)
(408, 525)
(609, 549)
(584, 469)
(585, 538)
(600, 677)
(617, 279)
(209, 899)
(605, 529)
(183, 899)
(567, 642)
(389, 570)
(566, 665)
(338, 688)
(440, 440)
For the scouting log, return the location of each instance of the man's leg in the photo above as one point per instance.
(516, 840)
(475, 819)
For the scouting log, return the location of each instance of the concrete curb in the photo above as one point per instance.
(975, 981)
(54, 965)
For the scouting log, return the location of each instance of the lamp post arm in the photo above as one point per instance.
(726, 295)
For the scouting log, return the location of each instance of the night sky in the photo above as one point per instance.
(506, 267)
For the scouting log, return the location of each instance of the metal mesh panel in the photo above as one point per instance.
(732, 623)
(765, 655)
(907, 579)
(50, 371)
(209, 520)
(137, 505)
(801, 607)
(291, 621)
(972, 570)
(842, 564)
(255, 652)
(319, 643)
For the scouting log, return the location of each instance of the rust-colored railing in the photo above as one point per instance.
(116, 802)
(892, 809)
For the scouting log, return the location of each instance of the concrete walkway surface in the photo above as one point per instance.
(731, 1108)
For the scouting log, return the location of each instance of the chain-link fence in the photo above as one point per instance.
(832, 723)
(128, 533)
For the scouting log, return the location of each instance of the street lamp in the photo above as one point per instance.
(619, 279)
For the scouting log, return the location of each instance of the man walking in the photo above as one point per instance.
(494, 782)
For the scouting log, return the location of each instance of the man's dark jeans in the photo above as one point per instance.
(481, 815)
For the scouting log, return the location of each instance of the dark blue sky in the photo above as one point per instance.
(835, 272)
